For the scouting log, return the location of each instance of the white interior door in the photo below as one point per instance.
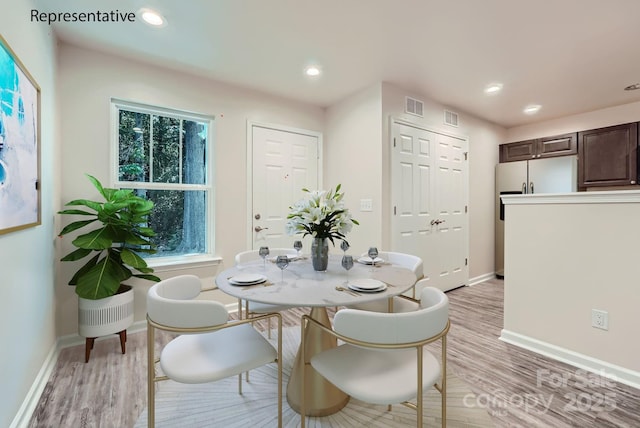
(283, 163)
(413, 199)
(429, 194)
(451, 268)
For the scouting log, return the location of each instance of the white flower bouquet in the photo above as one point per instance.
(321, 215)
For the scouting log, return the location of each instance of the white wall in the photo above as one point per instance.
(358, 152)
(564, 259)
(580, 122)
(89, 79)
(484, 138)
(27, 322)
(353, 158)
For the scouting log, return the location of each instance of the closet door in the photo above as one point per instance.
(429, 192)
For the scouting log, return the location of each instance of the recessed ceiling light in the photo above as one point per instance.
(312, 70)
(152, 17)
(532, 109)
(632, 87)
(493, 88)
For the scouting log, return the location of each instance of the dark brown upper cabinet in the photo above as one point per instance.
(559, 145)
(608, 156)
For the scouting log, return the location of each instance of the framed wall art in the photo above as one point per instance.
(19, 144)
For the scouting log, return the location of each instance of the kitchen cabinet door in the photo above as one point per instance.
(558, 145)
(522, 150)
(608, 156)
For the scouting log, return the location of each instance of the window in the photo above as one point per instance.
(165, 156)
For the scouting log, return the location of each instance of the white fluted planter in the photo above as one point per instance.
(102, 317)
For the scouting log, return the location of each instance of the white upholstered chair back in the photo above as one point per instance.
(382, 359)
(209, 347)
(375, 327)
(171, 302)
(409, 261)
(406, 260)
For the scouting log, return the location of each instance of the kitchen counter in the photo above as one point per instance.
(565, 255)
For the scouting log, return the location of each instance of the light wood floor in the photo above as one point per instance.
(518, 387)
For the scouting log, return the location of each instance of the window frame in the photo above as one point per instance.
(168, 263)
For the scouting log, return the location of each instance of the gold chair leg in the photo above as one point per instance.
(444, 381)
(303, 346)
(419, 415)
(151, 399)
(280, 371)
(246, 315)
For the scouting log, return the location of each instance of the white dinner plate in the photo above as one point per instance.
(367, 260)
(247, 279)
(367, 285)
(368, 290)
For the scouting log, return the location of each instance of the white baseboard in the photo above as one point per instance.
(482, 278)
(23, 417)
(585, 362)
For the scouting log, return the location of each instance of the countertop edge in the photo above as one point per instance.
(605, 197)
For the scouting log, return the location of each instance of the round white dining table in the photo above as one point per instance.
(302, 286)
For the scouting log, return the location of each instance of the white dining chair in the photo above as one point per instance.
(382, 359)
(210, 347)
(253, 308)
(400, 304)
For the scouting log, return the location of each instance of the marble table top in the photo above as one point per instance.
(303, 286)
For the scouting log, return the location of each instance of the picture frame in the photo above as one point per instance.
(20, 194)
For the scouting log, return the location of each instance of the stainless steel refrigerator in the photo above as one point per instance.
(550, 175)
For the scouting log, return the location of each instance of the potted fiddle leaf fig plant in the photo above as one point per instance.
(117, 237)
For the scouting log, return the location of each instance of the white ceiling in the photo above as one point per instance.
(570, 56)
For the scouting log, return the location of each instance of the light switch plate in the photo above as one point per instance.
(366, 205)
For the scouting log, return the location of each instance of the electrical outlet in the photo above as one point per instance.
(600, 319)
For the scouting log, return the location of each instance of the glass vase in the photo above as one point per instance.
(320, 254)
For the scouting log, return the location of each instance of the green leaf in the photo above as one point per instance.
(77, 212)
(102, 280)
(75, 225)
(84, 269)
(133, 239)
(148, 277)
(96, 206)
(146, 231)
(132, 259)
(98, 239)
(122, 194)
(76, 255)
(97, 185)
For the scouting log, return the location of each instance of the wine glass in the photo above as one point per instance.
(344, 246)
(347, 263)
(297, 245)
(373, 253)
(282, 262)
(264, 252)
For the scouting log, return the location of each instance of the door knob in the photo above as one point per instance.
(258, 228)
